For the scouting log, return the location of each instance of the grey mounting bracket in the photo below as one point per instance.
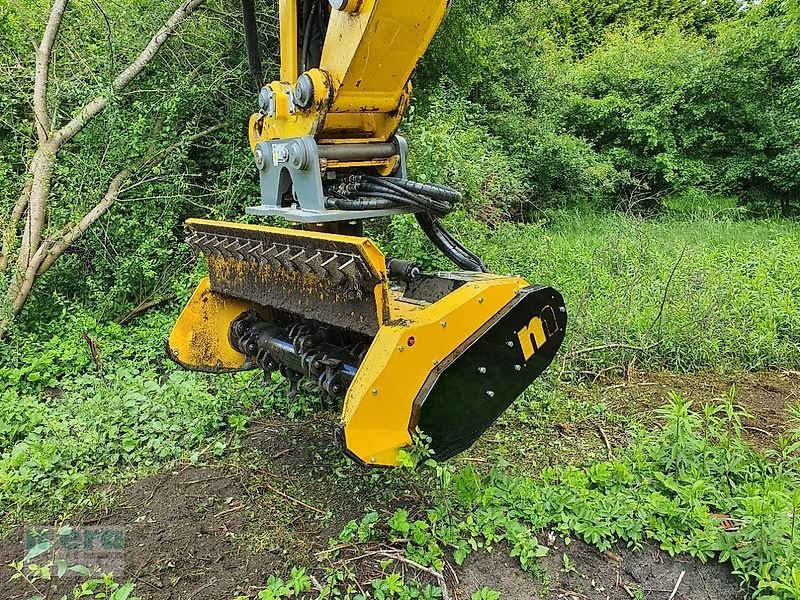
(291, 168)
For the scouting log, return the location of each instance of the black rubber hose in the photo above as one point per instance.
(356, 188)
(430, 204)
(251, 42)
(450, 246)
(438, 206)
(360, 192)
(440, 192)
(356, 204)
(307, 37)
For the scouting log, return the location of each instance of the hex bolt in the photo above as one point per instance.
(345, 5)
(263, 99)
(374, 391)
(266, 102)
(481, 369)
(490, 393)
(443, 323)
(480, 300)
(518, 367)
(400, 349)
(435, 363)
(510, 344)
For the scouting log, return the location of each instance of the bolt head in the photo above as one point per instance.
(481, 369)
(266, 102)
(510, 344)
(374, 391)
(518, 367)
(347, 5)
(259, 158)
(490, 393)
(304, 91)
(443, 323)
(298, 155)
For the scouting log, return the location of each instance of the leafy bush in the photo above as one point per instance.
(451, 145)
(679, 111)
(635, 102)
(691, 486)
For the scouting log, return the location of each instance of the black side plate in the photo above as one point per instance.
(481, 379)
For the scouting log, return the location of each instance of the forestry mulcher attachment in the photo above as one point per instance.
(443, 352)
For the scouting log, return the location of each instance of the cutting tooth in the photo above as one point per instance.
(298, 260)
(214, 246)
(331, 268)
(283, 258)
(196, 239)
(267, 255)
(349, 269)
(315, 264)
(249, 250)
(230, 249)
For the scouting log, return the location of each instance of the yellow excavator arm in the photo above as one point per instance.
(359, 87)
(445, 353)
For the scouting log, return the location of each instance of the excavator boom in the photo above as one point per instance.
(404, 350)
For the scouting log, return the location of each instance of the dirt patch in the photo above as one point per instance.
(767, 397)
(181, 533)
(218, 530)
(587, 574)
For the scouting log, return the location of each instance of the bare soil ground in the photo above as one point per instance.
(215, 530)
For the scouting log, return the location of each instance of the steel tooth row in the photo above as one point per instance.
(337, 267)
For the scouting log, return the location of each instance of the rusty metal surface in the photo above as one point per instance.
(324, 280)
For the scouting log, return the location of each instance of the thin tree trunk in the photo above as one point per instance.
(60, 246)
(10, 231)
(36, 254)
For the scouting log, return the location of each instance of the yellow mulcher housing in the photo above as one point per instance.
(443, 352)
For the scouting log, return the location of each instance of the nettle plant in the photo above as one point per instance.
(693, 486)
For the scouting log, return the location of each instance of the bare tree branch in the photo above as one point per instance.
(43, 54)
(98, 104)
(10, 231)
(58, 247)
(35, 254)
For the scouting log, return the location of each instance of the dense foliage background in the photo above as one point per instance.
(645, 108)
(641, 157)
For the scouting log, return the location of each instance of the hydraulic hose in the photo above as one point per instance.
(449, 245)
(365, 192)
(251, 42)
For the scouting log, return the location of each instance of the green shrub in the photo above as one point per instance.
(690, 486)
(686, 293)
(451, 145)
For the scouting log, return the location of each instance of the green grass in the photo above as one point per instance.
(67, 423)
(730, 293)
(690, 294)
